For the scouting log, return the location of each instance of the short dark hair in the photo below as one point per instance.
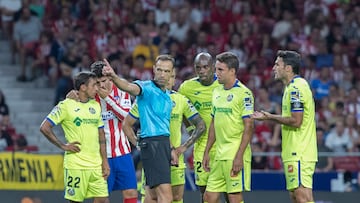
(166, 57)
(230, 59)
(82, 78)
(97, 68)
(291, 58)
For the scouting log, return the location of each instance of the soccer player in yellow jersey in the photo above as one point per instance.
(182, 107)
(199, 91)
(232, 127)
(299, 148)
(86, 166)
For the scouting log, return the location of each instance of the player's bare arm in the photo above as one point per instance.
(210, 142)
(122, 84)
(46, 129)
(127, 125)
(196, 133)
(246, 137)
(105, 165)
(294, 121)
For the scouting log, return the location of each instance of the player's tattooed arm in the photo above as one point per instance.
(200, 128)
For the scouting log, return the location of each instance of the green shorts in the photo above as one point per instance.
(83, 184)
(177, 176)
(299, 173)
(201, 176)
(220, 179)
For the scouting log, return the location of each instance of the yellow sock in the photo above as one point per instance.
(180, 201)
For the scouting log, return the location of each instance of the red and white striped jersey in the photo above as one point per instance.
(114, 109)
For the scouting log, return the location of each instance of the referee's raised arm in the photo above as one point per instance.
(121, 83)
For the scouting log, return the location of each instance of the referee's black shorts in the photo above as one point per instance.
(156, 160)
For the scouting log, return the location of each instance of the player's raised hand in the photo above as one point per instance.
(108, 70)
(73, 94)
(72, 147)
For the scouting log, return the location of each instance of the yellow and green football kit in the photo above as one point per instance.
(200, 96)
(230, 107)
(299, 148)
(83, 173)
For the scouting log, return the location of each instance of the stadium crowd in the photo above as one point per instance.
(64, 37)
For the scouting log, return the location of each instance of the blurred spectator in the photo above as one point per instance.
(351, 127)
(42, 54)
(180, 26)
(26, 35)
(282, 28)
(321, 86)
(147, 49)
(7, 9)
(325, 163)
(138, 71)
(258, 162)
(162, 12)
(163, 40)
(236, 47)
(339, 139)
(352, 105)
(5, 139)
(4, 109)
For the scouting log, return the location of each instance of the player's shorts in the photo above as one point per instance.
(201, 176)
(220, 179)
(156, 159)
(177, 176)
(83, 184)
(122, 173)
(299, 173)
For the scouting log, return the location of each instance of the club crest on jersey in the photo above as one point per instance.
(71, 191)
(117, 99)
(230, 97)
(92, 110)
(173, 104)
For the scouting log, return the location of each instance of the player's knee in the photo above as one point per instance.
(131, 193)
(177, 197)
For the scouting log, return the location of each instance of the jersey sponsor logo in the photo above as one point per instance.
(222, 110)
(230, 97)
(175, 116)
(107, 115)
(290, 168)
(197, 105)
(92, 110)
(77, 121)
